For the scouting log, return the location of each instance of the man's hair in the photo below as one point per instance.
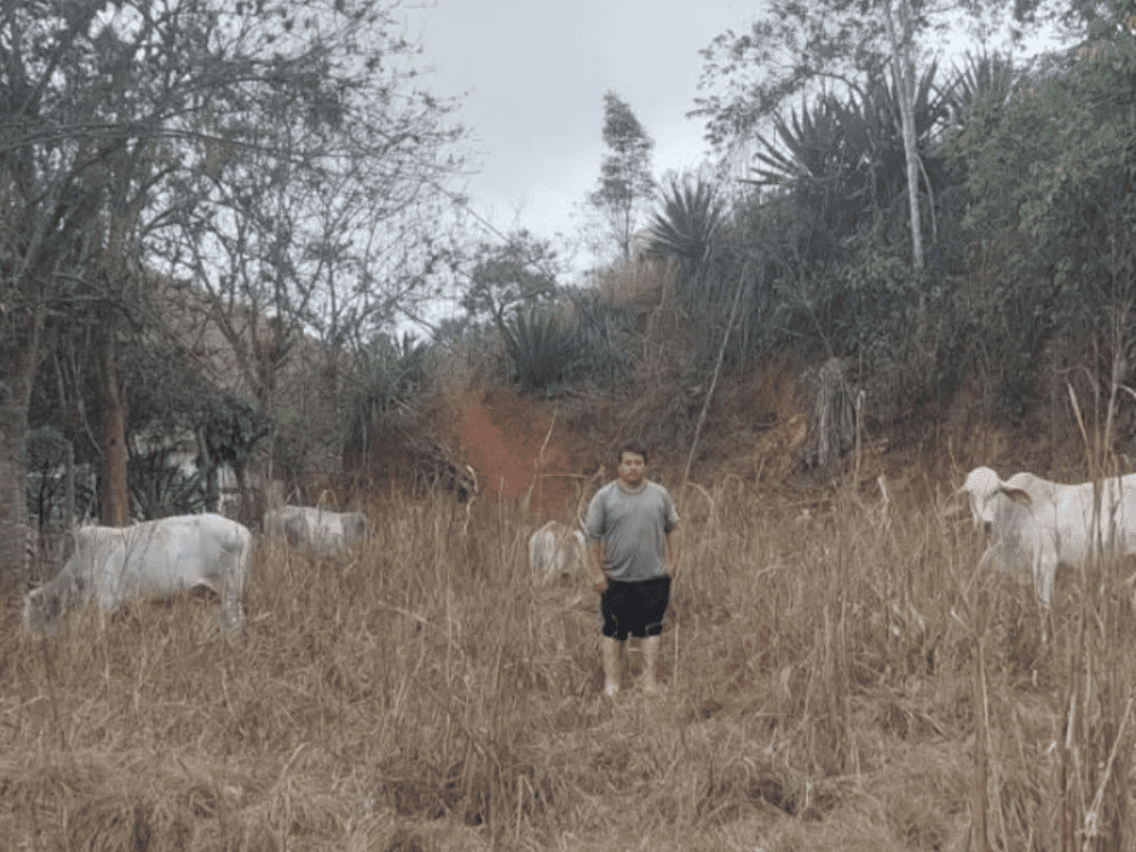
(631, 447)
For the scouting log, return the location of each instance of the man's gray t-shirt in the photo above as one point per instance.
(632, 527)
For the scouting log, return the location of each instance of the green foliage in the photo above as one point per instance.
(1051, 173)
(287, 161)
(46, 451)
(394, 368)
(982, 87)
(600, 329)
(792, 50)
(878, 299)
(844, 160)
(543, 351)
(553, 335)
(231, 428)
(164, 389)
(823, 249)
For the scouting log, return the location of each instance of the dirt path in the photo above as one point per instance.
(503, 437)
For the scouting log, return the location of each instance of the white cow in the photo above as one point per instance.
(1039, 524)
(112, 566)
(323, 531)
(557, 550)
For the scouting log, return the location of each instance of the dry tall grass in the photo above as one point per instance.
(836, 678)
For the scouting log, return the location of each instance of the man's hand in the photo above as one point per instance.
(599, 585)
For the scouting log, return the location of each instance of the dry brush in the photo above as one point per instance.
(836, 673)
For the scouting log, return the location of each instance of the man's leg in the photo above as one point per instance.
(650, 658)
(612, 662)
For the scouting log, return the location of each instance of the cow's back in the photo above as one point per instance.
(171, 555)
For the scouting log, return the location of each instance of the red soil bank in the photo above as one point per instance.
(502, 436)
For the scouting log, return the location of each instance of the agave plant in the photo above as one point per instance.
(393, 367)
(984, 78)
(542, 350)
(844, 159)
(685, 228)
(159, 488)
(392, 370)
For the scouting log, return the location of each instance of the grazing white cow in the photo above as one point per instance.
(112, 566)
(323, 531)
(1038, 524)
(557, 550)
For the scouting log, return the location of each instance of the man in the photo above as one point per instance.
(634, 548)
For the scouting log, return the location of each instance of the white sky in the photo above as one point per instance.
(536, 72)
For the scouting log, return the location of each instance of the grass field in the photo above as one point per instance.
(836, 677)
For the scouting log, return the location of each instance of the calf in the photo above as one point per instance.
(557, 550)
(323, 531)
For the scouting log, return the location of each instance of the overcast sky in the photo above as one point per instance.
(536, 72)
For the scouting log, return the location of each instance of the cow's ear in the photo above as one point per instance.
(1018, 496)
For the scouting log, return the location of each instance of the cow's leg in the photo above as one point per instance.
(611, 649)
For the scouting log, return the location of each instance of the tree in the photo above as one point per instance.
(287, 151)
(625, 183)
(330, 225)
(1049, 168)
(504, 278)
(67, 165)
(900, 24)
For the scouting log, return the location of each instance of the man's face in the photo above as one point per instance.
(631, 468)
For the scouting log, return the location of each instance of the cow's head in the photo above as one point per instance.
(983, 486)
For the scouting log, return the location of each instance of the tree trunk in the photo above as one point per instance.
(114, 496)
(903, 66)
(20, 355)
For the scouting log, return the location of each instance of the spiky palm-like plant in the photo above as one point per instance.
(984, 79)
(391, 371)
(542, 350)
(844, 159)
(685, 227)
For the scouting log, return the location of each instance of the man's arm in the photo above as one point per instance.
(674, 551)
(595, 567)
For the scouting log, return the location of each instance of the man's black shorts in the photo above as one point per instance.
(634, 609)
